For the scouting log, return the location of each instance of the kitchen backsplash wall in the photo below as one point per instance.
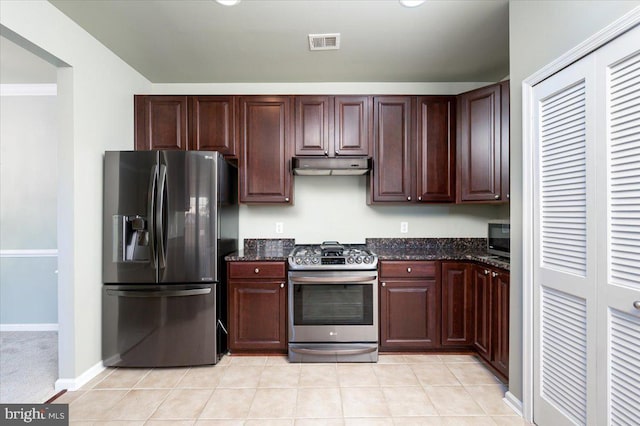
(335, 208)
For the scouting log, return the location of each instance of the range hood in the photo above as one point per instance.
(326, 166)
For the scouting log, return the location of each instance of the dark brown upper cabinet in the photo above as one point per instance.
(332, 125)
(436, 143)
(314, 124)
(413, 149)
(265, 134)
(212, 126)
(161, 122)
(391, 177)
(483, 144)
(203, 123)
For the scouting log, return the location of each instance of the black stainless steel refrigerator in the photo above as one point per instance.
(170, 217)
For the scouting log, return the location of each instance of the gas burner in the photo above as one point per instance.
(330, 255)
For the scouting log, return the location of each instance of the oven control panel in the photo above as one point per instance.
(352, 257)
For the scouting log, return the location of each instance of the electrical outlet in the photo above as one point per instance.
(279, 227)
(404, 227)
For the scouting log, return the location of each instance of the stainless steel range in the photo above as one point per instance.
(333, 303)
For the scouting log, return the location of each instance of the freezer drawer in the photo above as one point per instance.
(161, 325)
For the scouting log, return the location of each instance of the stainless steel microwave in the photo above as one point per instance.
(498, 238)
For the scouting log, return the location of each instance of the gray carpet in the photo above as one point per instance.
(28, 366)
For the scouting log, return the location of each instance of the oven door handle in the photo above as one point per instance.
(332, 280)
(305, 351)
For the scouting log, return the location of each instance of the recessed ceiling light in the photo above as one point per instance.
(411, 3)
(228, 2)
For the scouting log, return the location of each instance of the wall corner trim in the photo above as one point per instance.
(76, 383)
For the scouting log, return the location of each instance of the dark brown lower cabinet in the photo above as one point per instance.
(491, 319)
(482, 311)
(457, 305)
(409, 307)
(500, 285)
(257, 307)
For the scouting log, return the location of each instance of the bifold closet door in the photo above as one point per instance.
(565, 247)
(618, 194)
(587, 239)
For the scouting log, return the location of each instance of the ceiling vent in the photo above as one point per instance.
(324, 41)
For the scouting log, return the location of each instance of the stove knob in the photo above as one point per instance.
(307, 260)
(350, 259)
(367, 259)
(298, 261)
(316, 260)
(359, 259)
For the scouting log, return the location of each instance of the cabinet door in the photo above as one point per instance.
(457, 304)
(352, 128)
(257, 315)
(160, 122)
(479, 150)
(409, 314)
(505, 140)
(265, 149)
(392, 135)
(212, 126)
(482, 311)
(436, 154)
(314, 124)
(500, 289)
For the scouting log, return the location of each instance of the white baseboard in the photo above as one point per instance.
(78, 382)
(29, 327)
(514, 403)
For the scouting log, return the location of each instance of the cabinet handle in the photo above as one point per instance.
(384, 284)
(286, 199)
(409, 270)
(486, 272)
(497, 196)
(494, 274)
(257, 270)
(636, 304)
(337, 151)
(408, 198)
(507, 196)
(419, 198)
(326, 153)
(281, 285)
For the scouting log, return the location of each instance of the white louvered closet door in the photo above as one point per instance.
(587, 239)
(565, 249)
(618, 149)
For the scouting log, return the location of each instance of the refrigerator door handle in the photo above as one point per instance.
(151, 202)
(160, 225)
(159, 293)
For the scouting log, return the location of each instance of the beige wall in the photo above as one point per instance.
(539, 33)
(95, 113)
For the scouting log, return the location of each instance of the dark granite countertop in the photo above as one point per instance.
(263, 250)
(469, 249)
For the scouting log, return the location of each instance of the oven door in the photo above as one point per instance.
(333, 306)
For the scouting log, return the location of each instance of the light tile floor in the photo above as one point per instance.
(259, 390)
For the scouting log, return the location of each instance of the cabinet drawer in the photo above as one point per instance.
(257, 270)
(407, 269)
